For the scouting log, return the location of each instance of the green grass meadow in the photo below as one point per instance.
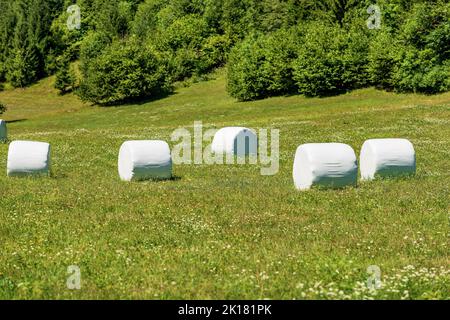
(223, 231)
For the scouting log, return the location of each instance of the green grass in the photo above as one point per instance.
(223, 231)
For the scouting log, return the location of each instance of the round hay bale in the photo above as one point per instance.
(387, 157)
(331, 165)
(3, 131)
(235, 140)
(145, 160)
(27, 158)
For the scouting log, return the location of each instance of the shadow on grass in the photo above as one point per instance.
(58, 176)
(175, 178)
(137, 101)
(392, 178)
(158, 180)
(31, 176)
(14, 121)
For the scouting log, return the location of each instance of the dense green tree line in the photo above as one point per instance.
(133, 49)
(408, 53)
(26, 44)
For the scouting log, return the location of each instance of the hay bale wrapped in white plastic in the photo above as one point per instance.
(3, 131)
(235, 140)
(387, 157)
(28, 158)
(331, 165)
(145, 160)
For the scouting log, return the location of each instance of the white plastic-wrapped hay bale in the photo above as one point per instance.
(28, 158)
(3, 131)
(387, 157)
(331, 165)
(235, 140)
(145, 160)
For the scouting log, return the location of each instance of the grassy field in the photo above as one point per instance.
(223, 231)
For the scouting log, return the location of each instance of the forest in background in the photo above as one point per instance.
(130, 50)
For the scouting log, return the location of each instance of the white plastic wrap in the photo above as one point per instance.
(387, 157)
(144, 160)
(235, 140)
(331, 165)
(3, 131)
(28, 158)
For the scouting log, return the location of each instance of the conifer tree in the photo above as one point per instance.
(65, 78)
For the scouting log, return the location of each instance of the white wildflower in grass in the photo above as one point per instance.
(406, 283)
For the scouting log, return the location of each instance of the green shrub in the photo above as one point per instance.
(416, 57)
(419, 71)
(187, 31)
(182, 43)
(192, 60)
(173, 10)
(261, 66)
(23, 67)
(2, 108)
(2, 72)
(423, 65)
(182, 63)
(426, 25)
(124, 71)
(331, 60)
(439, 41)
(383, 59)
(114, 18)
(65, 77)
(146, 21)
(214, 53)
(318, 69)
(356, 43)
(92, 46)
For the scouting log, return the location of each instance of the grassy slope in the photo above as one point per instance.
(222, 231)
